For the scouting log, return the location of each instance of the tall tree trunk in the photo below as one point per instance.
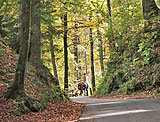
(92, 59)
(53, 60)
(65, 53)
(18, 86)
(111, 37)
(100, 51)
(75, 42)
(35, 48)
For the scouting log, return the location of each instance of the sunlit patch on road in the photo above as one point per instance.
(104, 103)
(114, 114)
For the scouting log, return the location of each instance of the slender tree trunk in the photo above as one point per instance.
(35, 48)
(65, 53)
(18, 86)
(80, 67)
(86, 62)
(79, 62)
(150, 9)
(109, 7)
(100, 51)
(92, 59)
(1, 30)
(53, 60)
(1, 17)
(75, 42)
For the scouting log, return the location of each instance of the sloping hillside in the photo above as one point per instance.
(39, 85)
(136, 66)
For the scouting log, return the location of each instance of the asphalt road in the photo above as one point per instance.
(117, 110)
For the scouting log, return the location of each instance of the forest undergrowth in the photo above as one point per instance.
(134, 67)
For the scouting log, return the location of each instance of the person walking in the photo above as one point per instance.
(86, 81)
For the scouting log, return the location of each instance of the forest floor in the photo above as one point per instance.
(63, 111)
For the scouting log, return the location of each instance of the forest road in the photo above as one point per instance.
(119, 110)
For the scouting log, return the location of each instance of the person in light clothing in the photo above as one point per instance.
(86, 80)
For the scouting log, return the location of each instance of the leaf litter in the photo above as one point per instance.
(63, 111)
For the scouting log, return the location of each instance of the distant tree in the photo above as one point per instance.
(75, 42)
(92, 60)
(65, 52)
(53, 59)
(100, 51)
